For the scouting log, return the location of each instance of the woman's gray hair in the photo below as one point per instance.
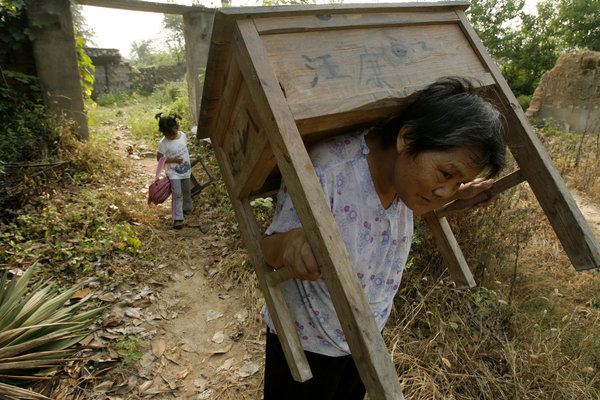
(446, 115)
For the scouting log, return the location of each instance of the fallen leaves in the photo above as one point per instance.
(211, 315)
(248, 369)
(218, 337)
(184, 353)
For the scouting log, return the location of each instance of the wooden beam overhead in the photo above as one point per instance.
(147, 6)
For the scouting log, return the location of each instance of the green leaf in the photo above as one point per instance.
(13, 350)
(37, 330)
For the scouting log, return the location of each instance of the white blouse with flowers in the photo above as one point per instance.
(378, 241)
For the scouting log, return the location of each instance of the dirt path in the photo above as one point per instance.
(590, 210)
(198, 335)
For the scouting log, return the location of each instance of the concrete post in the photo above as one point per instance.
(197, 28)
(56, 60)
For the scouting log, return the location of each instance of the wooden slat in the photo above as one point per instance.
(373, 100)
(239, 13)
(341, 114)
(447, 245)
(364, 339)
(257, 172)
(290, 342)
(301, 23)
(147, 6)
(245, 143)
(536, 165)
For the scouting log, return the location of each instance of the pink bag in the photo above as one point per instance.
(160, 189)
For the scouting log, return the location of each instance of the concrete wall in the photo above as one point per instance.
(111, 74)
(148, 78)
(56, 60)
(112, 78)
(197, 31)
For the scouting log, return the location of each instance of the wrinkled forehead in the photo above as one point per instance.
(461, 161)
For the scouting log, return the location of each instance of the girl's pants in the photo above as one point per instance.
(334, 378)
(181, 198)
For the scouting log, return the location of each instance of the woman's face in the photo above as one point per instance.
(430, 179)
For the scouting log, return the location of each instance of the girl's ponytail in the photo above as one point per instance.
(166, 124)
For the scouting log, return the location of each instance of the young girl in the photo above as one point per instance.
(173, 146)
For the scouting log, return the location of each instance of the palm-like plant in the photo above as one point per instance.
(36, 331)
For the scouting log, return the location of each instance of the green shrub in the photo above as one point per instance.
(550, 128)
(114, 99)
(173, 97)
(524, 100)
(29, 131)
(36, 331)
(89, 236)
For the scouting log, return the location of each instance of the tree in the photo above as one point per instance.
(578, 23)
(143, 53)
(523, 45)
(81, 25)
(495, 22)
(535, 50)
(173, 27)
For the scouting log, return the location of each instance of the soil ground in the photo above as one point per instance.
(200, 335)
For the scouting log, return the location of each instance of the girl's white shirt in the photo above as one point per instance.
(176, 148)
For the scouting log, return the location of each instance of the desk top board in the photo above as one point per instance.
(340, 67)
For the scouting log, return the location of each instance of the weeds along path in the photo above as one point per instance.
(187, 330)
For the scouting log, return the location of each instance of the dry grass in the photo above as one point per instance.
(530, 330)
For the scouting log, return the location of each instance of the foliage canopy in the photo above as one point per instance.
(526, 45)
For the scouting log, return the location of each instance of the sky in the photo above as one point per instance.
(118, 29)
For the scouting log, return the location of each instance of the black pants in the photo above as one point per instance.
(334, 378)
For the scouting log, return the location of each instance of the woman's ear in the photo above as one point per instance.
(400, 141)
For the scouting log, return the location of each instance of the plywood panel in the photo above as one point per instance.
(245, 138)
(332, 72)
(229, 97)
(212, 96)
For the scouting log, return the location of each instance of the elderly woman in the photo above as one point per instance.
(375, 180)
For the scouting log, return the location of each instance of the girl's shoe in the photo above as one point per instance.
(178, 224)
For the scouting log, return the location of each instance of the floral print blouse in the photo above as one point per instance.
(378, 242)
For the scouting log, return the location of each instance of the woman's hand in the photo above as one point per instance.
(473, 188)
(292, 250)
